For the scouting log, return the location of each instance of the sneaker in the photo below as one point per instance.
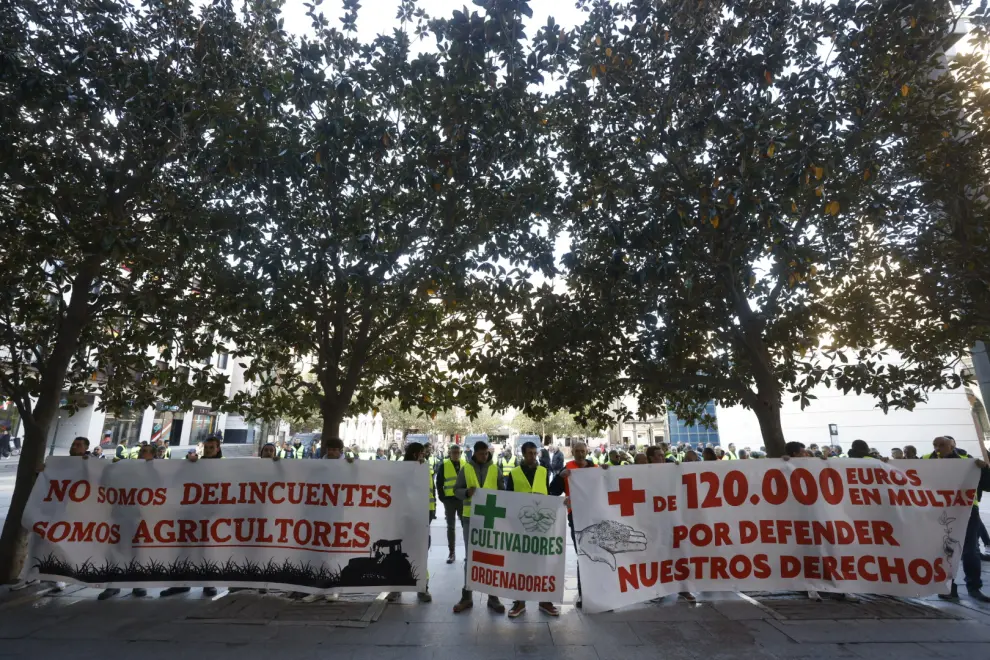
(462, 605)
(312, 598)
(578, 604)
(22, 584)
(517, 609)
(495, 605)
(57, 588)
(172, 591)
(424, 597)
(139, 592)
(394, 596)
(451, 558)
(549, 608)
(978, 595)
(210, 591)
(107, 593)
(814, 595)
(688, 596)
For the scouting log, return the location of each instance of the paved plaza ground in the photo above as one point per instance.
(248, 626)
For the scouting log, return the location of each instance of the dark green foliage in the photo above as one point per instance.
(761, 197)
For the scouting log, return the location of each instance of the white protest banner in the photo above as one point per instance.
(855, 526)
(317, 526)
(516, 545)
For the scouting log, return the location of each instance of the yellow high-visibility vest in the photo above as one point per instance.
(471, 481)
(507, 465)
(449, 478)
(433, 497)
(520, 483)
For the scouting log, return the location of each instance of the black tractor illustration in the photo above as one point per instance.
(386, 565)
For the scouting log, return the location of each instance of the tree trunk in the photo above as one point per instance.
(13, 541)
(767, 411)
(333, 417)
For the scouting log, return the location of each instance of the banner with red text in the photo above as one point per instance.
(516, 545)
(314, 526)
(854, 526)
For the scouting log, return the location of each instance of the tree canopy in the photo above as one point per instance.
(389, 183)
(740, 178)
(758, 197)
(108, 114)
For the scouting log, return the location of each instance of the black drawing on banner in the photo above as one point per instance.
(602, 541)
(949, 544)
(381, 571)
(184, 570)
(533, 518)
(387, 565)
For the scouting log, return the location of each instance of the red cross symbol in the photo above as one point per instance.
(626, 497)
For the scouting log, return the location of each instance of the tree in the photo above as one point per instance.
(559, 424)
(733, 191)
(486, 421)
(391, 182)
(108, 111)
(446, 423)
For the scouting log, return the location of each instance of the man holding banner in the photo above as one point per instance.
(516, 541)
(845, 525)
(579, 450)
(478, 472)
(529, 477)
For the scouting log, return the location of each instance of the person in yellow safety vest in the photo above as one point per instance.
(506, 461)
(287, 450)
(614, 460)
(945, 448)
(446, 477)
(394, 453)
(120, 453)
(479, 472)
(135, 451)
(730, 453)
(432, 460)
(529, 477)
(668, 455)
(416, 453)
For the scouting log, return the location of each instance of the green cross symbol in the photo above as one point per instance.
(489, 511)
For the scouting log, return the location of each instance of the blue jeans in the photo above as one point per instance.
(971, 551)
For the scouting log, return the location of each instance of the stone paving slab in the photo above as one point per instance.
(719, 626)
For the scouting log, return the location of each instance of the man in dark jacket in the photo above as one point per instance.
(556, 461)
(452, 507)
(945, 448)
(529, 477)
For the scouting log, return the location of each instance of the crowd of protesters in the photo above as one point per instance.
(455, 474)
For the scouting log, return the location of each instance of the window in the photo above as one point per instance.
(222, 360)
(204, 423)
(124, 426)
(693, 435)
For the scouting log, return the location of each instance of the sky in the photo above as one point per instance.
(378, 16)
